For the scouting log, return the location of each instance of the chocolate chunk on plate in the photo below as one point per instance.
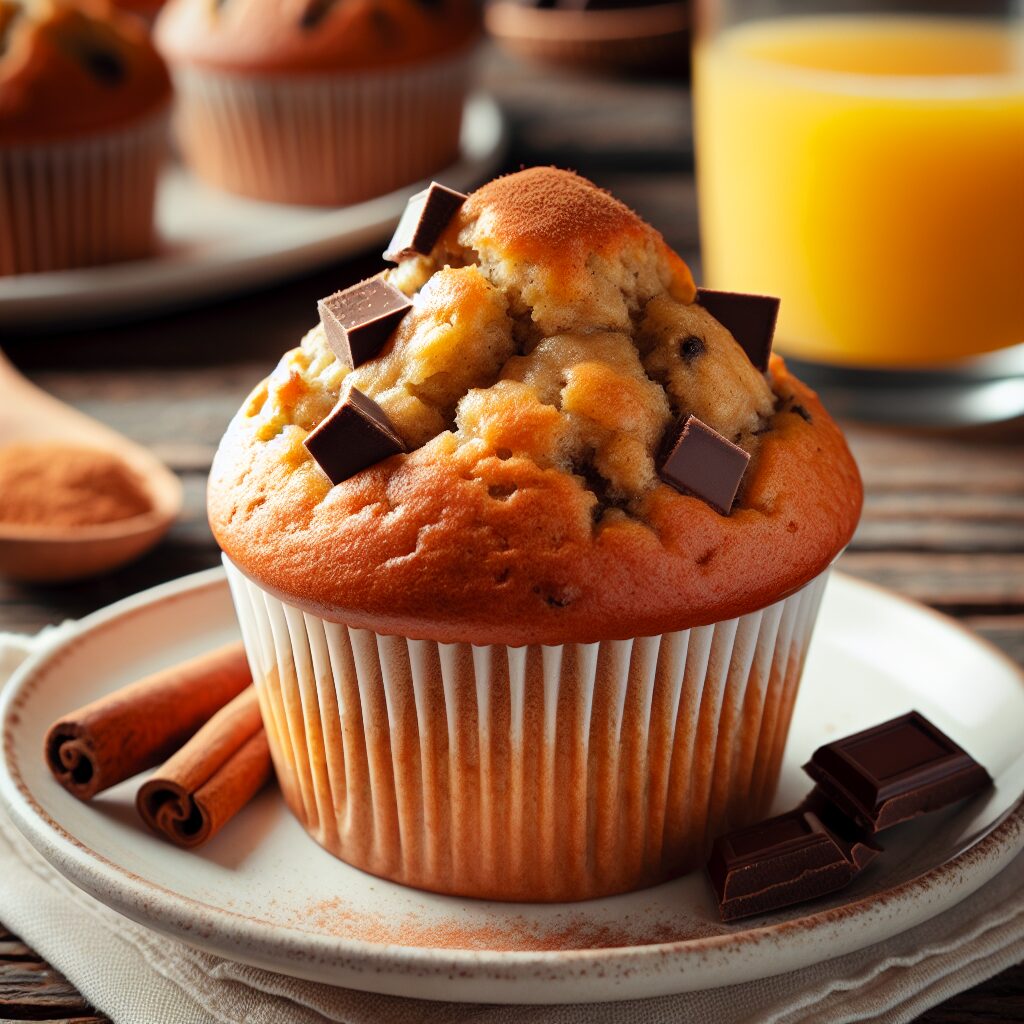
(858, 846)
(426, 216)
(787, 859)
(895, 771)
(750, 319)
(359, 320)
(356, 434)
(705, 464)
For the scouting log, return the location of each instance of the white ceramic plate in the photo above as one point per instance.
(215, 243)
(264, 893)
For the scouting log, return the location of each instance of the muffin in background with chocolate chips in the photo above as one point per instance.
(323, 102)
(527, 590)
(84, 99)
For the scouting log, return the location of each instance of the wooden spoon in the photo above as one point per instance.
(38, 553)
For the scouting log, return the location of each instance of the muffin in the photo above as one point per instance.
(83, 106)
(508, 659)
(318, 101)
(595, 35)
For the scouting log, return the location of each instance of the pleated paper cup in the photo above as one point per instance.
(525, 773)
(321, 139)
(80, 202)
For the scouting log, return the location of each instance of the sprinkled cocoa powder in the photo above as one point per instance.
(57, 485)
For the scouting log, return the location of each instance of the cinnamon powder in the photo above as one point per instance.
(53, 484)
(499, 931)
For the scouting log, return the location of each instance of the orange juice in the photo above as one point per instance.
(870, 172)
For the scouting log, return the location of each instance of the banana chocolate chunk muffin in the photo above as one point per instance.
(319, 101)
(549, 554)
(84, 99)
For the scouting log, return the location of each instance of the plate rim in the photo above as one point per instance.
(245, 937)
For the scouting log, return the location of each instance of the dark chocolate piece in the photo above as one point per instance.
(359, 320)
(426, 216)
(356, 434)
(691, 347)
(858, 846)
(778, 862)
(104, 65)
(706, 464)
(894, 772)
(750, 319)
(314, 13)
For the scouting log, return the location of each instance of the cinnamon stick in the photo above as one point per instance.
(211, 778)
(141, 725)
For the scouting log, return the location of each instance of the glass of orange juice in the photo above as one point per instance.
(865, 163)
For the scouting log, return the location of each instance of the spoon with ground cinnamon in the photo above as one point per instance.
(76, 498)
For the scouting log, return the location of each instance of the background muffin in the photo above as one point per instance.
(314, 101)
(83, 102)
(597, 35)
(550, 647)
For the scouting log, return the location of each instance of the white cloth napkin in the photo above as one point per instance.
(135, 975)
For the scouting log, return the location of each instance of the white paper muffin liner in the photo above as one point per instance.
(525, 773)
(321, 139)
(80, 202)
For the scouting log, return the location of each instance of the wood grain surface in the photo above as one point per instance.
(943, 521)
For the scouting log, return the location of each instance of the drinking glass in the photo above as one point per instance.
(865, 163)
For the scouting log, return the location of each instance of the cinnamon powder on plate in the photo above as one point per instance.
(499, 931)
(49, 484)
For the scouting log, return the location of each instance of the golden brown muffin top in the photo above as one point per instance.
(552, 346)
(70, 68)
(311, 36)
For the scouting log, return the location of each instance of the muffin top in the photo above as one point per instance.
(295, 36)
(74, 67)
(552, 348)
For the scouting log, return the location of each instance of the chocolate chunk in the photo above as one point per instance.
(778, 862)
(315, 12)
(894, 772)
(356, 434)
(426, 216)
(691, 347)
(359, 320)
(857, 845)
(750, 319)
(104, 65)
(704, 463)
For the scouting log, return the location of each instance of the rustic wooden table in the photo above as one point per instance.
(943, 521)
